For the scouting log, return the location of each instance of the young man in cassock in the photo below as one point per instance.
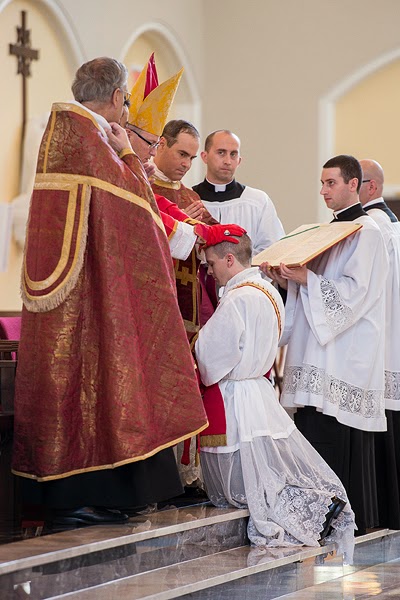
(227, 200)
(252, 454)
(335, 330)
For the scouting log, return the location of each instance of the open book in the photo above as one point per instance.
(305, 243)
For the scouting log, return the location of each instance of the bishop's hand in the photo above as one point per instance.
(195, 210)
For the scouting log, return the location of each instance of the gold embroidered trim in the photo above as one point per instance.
(53, 180)
(190, 326)
(113, 465)
(66, 245)
(172, 185)
(54, 298)
(266, 292)
(175, 227)
(125, 152)
(192, 221)
(66, 106)
(212, 441)
(194, 339)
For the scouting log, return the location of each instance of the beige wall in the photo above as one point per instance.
(269, 64)
(50, 80)
(368, 123)
(264, 68)
(68, 32)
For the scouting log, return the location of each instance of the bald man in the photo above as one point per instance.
(387, 444)
(371, 191)
(225, 198)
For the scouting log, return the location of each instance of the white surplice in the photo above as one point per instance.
(391, 235)
(335, 327)
(182, 240)
(267, 464)
(255, 212)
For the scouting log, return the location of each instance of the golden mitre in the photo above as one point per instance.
(150, 102)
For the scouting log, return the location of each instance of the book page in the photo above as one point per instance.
(305, 243)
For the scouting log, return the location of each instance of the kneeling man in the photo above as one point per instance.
(252, 454)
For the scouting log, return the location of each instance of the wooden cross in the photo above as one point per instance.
(25, 54)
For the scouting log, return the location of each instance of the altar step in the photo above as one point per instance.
(197, 552)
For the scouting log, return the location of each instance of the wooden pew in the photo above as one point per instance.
(8, 495)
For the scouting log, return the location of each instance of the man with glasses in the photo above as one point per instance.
(99, 371)
(387, 445)
(371, 192)
(178, 146)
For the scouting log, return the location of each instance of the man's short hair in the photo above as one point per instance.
(241, 251)
(96, 80)
(349, 168)
(173, 128)
(210, 137)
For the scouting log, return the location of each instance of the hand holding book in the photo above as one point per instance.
(305, 243)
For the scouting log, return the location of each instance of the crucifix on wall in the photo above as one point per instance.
(25, 55)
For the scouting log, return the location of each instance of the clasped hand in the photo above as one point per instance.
(118, 138)
(282, 273)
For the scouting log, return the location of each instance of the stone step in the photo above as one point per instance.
(211, 576)
(322, 576)
(166, 554)
(144, 543)
(52, 548)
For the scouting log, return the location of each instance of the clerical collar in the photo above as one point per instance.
(380, 204)
(220, 187)
(372, 202)
(350, 213)
(103, 124)
(212, 192)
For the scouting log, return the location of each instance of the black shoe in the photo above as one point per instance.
(334, 511)
(195, 493)
(87, 515)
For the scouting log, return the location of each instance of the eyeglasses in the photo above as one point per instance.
(366, 180)
(127, 97)
(152, 145)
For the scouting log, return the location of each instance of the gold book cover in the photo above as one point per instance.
(305, 243)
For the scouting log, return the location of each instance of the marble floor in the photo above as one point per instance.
(375, 572)
(194, 552)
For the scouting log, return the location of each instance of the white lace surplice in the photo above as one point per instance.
(267, 464)
(335, 329)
